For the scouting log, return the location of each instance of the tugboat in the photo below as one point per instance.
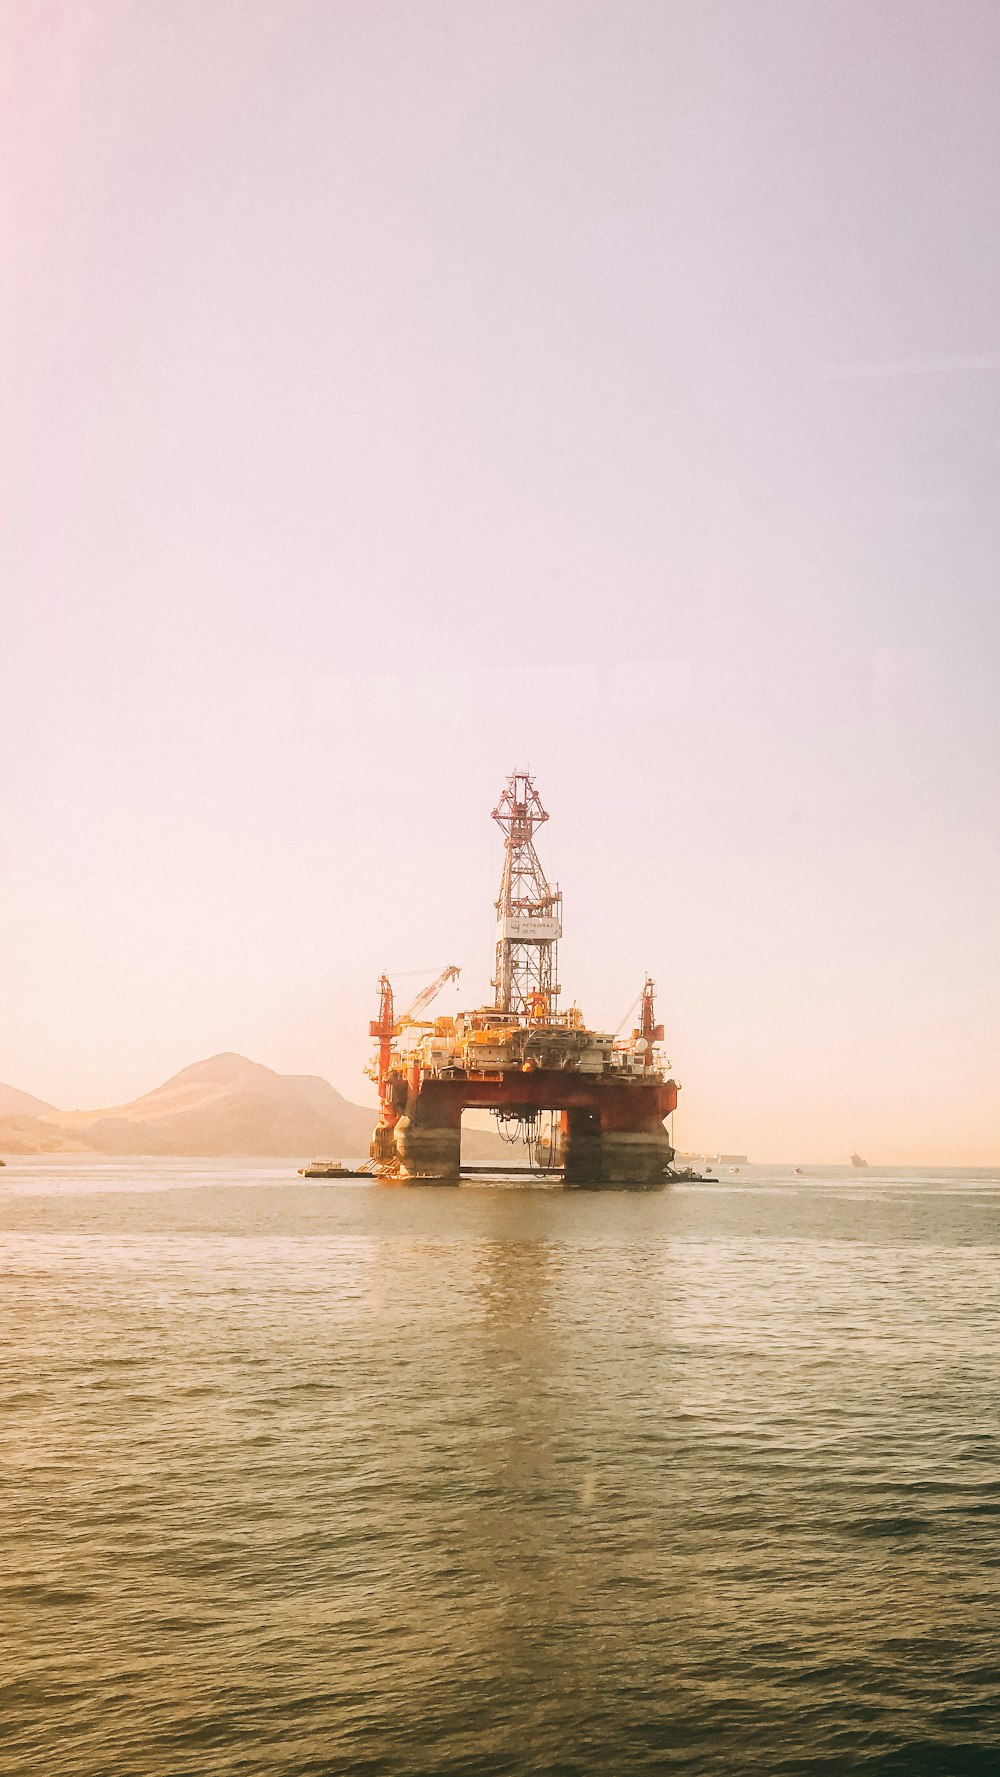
(332, 1169)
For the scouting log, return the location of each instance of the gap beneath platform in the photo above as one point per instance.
(502, 1171)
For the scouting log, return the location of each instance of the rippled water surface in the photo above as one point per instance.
(307, 1478)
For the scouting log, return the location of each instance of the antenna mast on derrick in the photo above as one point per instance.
(529, 912)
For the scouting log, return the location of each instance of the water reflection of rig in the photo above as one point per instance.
(590, 1102)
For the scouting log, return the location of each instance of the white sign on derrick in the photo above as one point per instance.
(525, 928)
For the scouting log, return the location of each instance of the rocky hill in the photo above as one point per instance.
(224, 1106)
(21, 1104)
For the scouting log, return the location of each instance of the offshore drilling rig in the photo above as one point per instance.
(522, 1058)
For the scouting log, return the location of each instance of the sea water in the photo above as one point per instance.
(329, 1478)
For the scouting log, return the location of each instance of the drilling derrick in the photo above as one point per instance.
(529, 912)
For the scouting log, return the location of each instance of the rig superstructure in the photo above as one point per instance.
(605, 1097)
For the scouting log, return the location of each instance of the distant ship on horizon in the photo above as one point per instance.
(856, 1160)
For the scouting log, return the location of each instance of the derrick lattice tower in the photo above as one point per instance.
(529, 911)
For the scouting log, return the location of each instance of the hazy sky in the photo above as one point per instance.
(395, 393)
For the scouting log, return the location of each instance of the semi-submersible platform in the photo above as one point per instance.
(587, 1102)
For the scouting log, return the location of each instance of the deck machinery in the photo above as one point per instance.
(604, 1097)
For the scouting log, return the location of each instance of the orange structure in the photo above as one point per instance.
(522, 1058)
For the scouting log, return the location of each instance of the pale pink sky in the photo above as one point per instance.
(392, 393)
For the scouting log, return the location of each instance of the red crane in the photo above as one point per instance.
(648, 1026)
(384, 1029)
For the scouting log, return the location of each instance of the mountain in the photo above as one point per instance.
(14, 1103)
(226, 1105)
(37, 1135)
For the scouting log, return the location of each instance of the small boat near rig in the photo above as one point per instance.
(597, 1100)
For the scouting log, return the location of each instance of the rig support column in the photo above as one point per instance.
(583, 1164)
(429, 1140)
(621, 1144)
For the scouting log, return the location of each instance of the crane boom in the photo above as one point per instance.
(427, 994)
